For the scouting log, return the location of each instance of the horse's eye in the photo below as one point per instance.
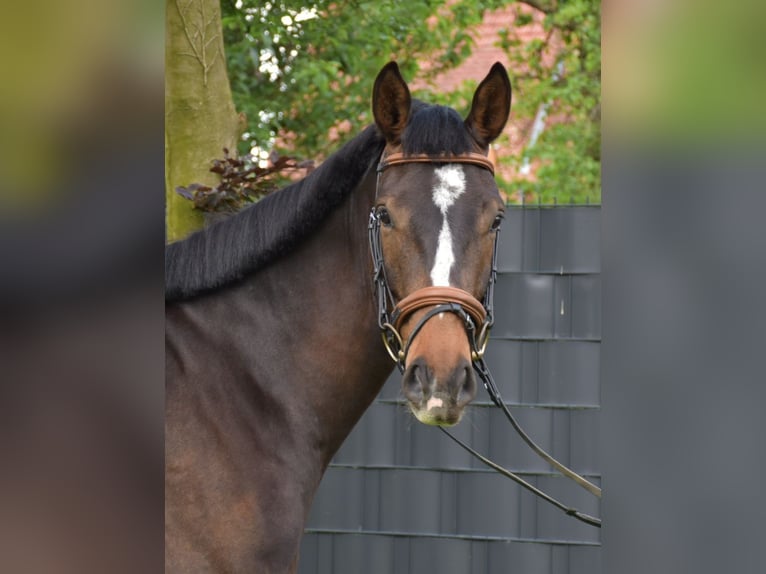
(496, 223)
(384, 216)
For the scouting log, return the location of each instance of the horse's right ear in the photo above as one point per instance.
(391, 102)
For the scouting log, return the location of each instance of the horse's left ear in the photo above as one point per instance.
(491, 106)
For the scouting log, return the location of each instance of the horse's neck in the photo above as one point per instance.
(321, 303)
(295, 345)
(265, 380)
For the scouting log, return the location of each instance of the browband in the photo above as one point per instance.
(471, 157)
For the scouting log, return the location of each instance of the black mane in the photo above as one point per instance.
(249, 240)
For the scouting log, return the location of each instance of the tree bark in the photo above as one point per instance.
(200, 119)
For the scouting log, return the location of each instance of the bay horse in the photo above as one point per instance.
(273, 328)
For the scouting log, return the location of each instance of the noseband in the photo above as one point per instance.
(477, 316)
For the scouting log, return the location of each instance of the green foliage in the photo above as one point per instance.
(567, 155)
(301, 70)
(302, 67)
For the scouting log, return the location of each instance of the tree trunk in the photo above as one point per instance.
(200, 119)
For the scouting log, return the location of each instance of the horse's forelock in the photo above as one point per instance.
(435, 129)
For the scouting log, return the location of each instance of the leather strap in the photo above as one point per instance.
(471, 157)
(429, 296)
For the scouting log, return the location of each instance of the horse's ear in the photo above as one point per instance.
(391, 102)
(491, 106)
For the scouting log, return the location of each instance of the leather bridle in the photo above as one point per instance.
(477, 317)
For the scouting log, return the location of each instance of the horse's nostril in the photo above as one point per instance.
(468, 382)
(467, 386)
(415, 382)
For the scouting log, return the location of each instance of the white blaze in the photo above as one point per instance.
(450, 184)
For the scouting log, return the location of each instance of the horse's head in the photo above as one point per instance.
(435, 221)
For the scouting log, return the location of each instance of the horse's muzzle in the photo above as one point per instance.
(436, 400)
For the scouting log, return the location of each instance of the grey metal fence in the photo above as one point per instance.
(400, 498)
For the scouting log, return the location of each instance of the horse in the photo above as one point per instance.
(274, 320)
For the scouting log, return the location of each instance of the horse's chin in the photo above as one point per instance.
(440, 417)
